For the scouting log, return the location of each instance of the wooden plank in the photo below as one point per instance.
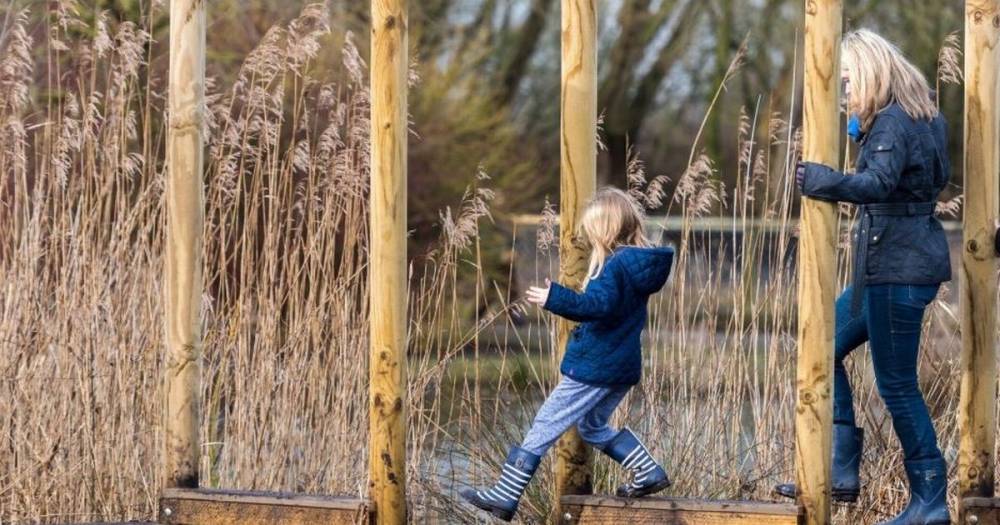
(229, 507)
(183, 257)
(603, 510)
(119, 523)
(387, 260)
(978, 276)
(817, 263)
(577, 183)
(981, 511)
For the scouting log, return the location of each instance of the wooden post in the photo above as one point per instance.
(978, 277)
(818, 263)
(577, 182)
(387, 282)
(183, 258)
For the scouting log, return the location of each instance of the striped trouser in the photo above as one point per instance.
(574, 403)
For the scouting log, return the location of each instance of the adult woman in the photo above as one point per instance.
(901, 258)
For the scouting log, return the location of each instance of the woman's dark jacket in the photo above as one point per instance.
(604, 349)
(901, 169)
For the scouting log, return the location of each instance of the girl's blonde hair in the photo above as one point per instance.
(879, 75)
(611, 219)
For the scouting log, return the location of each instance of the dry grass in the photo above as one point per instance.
(81, 158)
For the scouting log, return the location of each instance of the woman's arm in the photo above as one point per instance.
(599, 301)
(880, 177)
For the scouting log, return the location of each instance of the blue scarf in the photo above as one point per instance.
(854, 128)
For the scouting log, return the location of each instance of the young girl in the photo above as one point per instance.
(603, 358)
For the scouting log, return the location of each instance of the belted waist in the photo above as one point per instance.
(901, 209)
(891, 209)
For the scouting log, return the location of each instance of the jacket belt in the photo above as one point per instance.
(902, 209)
(890, 209)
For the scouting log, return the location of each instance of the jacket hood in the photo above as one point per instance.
(646, 268)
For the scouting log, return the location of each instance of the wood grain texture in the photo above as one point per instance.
(978, 272)
(817, 263)
(183, 257)
(387, 260)
(980, 511)
(228, 507)
(602, 510)
(577, 182)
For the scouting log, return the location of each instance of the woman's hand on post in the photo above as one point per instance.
(539, 295)
(800, 174)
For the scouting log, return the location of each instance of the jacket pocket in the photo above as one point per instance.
(875, 238)
(935, 252)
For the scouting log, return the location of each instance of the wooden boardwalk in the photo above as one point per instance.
(232, 507)
(606, 510)
(226, 507)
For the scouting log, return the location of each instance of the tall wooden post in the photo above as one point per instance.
(577, 182)
(978, 277)
(818, 263)
(183, 258)
(387, 282)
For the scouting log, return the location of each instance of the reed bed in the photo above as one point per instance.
(285, 317)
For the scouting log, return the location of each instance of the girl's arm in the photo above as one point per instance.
(876, 182)
(599, 301)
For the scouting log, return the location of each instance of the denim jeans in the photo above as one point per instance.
(890, 320)
(574, 403)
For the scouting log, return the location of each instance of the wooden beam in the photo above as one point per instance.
(228, 507)
(978, 276)
(980, 511)
(387, 260)
(183, 257)
(818, 263)
(597, 510)
(577, 182)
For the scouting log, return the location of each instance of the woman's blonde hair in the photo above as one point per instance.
(879, 75)
(611, 219)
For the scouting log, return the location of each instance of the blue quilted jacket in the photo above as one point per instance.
(902, 167)
(604, 349)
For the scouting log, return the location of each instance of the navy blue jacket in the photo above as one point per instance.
(901, 169)
(604, 349)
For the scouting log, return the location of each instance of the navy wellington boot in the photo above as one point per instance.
(501, 500)
(928, 494)
(648, 476)
(844, 470)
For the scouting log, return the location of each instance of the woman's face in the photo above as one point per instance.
(846, 90)
(845, 84)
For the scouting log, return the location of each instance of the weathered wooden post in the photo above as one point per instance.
(978, 277)
(387, 261)
(818, 263)
(577, 182)
(183, 258)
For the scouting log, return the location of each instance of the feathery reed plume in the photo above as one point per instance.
(949, 63)
(546, 236)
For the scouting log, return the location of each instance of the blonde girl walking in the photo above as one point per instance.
(603, 358)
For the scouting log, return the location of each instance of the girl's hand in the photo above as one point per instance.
(800, 175)
(538, 295)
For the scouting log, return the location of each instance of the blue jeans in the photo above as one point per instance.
(890, 320)
(574, 403)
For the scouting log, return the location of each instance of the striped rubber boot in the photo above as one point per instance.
(501, 500)
(648, 476)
